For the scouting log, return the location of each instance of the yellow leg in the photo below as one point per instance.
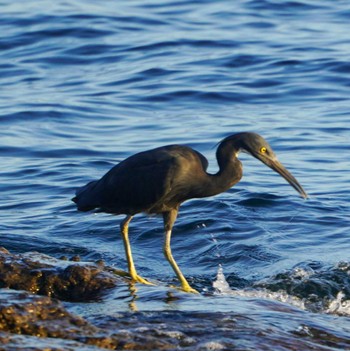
(169, 219)
(124, 227)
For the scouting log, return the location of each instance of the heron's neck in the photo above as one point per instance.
(230, 170)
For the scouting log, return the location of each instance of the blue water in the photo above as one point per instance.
(85, 84)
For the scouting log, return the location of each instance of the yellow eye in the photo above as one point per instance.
(263, 150)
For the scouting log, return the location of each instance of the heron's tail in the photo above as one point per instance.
(85, 197)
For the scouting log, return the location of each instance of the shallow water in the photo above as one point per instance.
(86, 84)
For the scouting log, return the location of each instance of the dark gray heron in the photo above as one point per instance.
(160, 180)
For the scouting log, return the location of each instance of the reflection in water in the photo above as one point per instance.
(133, 294)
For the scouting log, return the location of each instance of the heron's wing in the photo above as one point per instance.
(132, 187)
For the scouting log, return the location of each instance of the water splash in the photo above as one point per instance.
(221, 285)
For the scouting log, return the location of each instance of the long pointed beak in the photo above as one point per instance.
(280, 169)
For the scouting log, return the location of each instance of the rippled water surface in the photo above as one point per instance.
(84, 84)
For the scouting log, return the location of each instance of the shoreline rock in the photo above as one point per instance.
(65, 280)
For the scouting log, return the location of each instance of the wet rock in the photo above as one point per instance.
(75, 258)
(22, 313)
(32, 343)
(40, 316)
(45, 275)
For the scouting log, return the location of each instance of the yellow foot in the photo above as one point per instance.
(188, 289)
(138, 279)
(185, 288)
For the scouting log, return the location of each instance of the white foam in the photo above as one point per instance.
(212, 346)
(339, 306)
(302, 273)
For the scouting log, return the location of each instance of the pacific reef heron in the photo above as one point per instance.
(160, 180)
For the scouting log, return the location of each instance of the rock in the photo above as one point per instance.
(41, 316)
(45, 275)
(25, 343)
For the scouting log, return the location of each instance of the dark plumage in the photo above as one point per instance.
(159, 180)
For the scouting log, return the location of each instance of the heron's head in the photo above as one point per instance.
(257, 146)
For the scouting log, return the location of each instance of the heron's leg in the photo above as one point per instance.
(169, 219)
(124, 228)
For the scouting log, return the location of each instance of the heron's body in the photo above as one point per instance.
(159, 180)
(156, 181)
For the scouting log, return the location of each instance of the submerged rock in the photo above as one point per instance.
(45, 275)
